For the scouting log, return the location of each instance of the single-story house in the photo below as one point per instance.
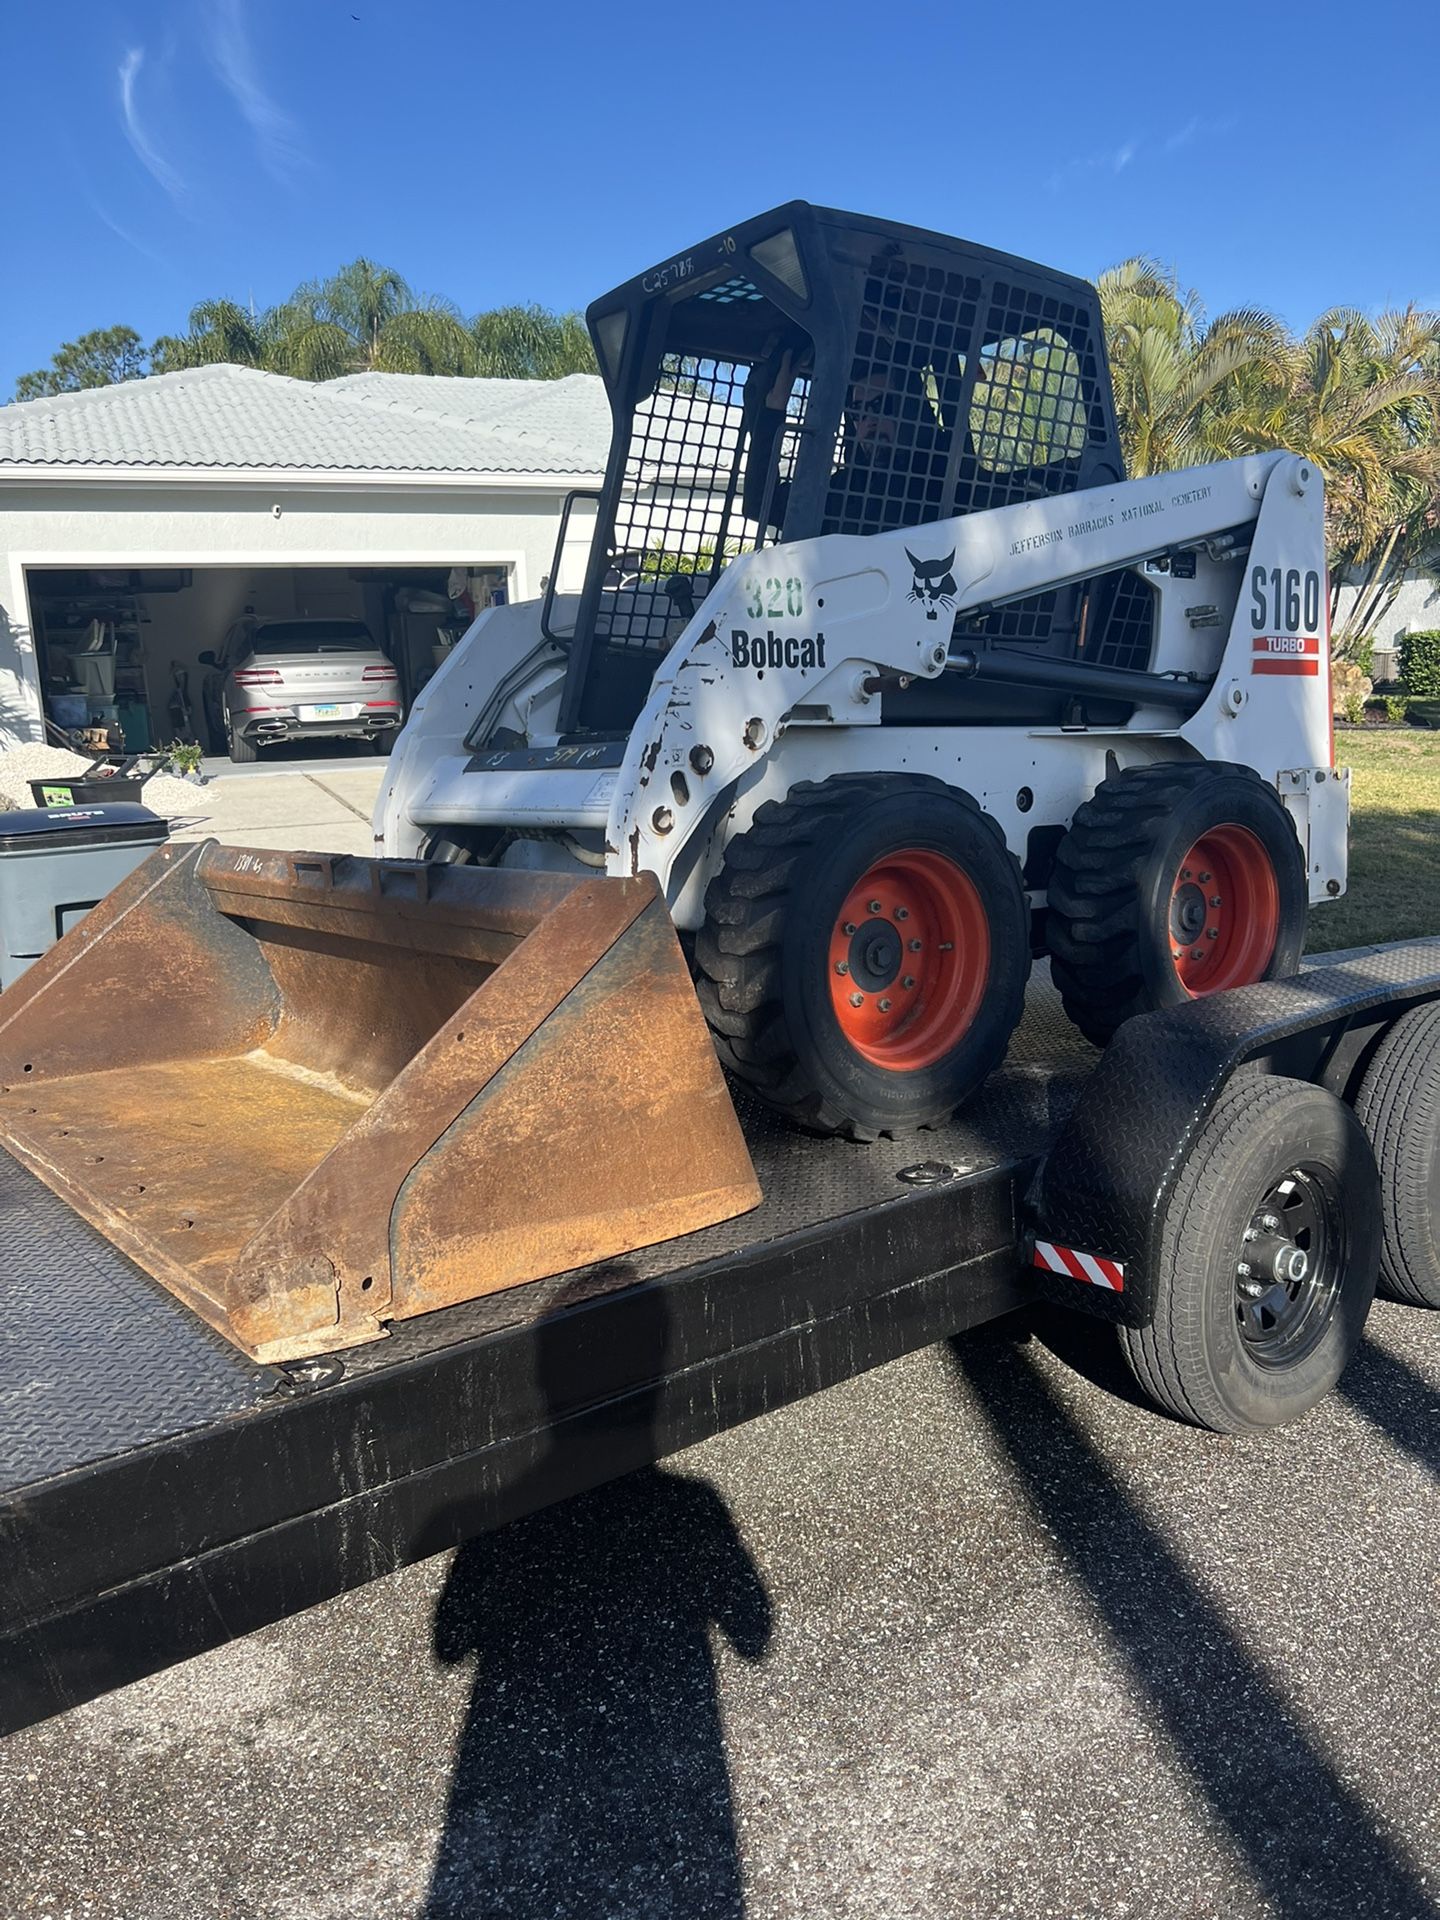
(139, 522)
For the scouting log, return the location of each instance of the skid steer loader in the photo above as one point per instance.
(890, 678)
(880, 680)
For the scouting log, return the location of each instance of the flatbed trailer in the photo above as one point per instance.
(161, 1494)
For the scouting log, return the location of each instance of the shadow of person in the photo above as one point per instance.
(590, 1777)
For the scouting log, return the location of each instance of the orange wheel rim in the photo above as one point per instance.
(909, 959)
(1224, 912)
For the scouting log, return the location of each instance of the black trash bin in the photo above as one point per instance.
(57, 863)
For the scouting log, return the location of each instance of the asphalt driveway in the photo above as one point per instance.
(974, 1635)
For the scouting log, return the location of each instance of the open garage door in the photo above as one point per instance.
(254, 661)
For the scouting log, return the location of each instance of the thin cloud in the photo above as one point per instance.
(276, 135)
(154, 162)
(1122, 156)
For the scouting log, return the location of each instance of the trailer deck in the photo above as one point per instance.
(160, 1493)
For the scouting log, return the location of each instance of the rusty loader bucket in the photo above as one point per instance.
(313, 1094)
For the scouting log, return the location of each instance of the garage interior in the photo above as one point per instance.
(119, 648)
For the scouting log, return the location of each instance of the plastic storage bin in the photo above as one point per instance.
(56, 864)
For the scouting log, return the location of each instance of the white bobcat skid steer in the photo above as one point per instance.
(892, 679)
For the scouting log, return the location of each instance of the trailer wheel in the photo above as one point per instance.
(863, 958)
(1399, 1107)
(1176, 879)
(1269, 1247)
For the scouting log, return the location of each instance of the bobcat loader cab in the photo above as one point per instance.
(889, 676)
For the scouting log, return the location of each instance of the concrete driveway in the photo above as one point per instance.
(972, 1636)
(309, 806)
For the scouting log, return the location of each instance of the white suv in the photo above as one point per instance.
(300, 680)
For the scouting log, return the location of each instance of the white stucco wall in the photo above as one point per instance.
(1416, 608)
(272, 523)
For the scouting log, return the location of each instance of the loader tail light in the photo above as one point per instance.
(257, 677)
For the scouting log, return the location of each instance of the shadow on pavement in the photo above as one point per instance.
(1309, 1842)
(1394, 1399)
(590, 1776)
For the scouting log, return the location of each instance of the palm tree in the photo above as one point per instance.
(220, 330)
(1179, 378)
(1363, 403)
(364, 319)
(529, 343)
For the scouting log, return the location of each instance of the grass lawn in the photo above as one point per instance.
(1394, 885)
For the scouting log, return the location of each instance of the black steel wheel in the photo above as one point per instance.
(1399, 1107)
(863, 957)
(1176, 879)
(1268, 1250)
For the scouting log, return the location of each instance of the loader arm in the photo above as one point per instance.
(811, 634)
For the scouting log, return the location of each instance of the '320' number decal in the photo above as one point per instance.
(1284, 600)
(773, 599)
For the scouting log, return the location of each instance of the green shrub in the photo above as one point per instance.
(1362, 653)
(1396, 708)
(1420, 665)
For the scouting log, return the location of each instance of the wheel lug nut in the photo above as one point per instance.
(857, 999)
(842, 966)
(874, 906)
(1197, 953)
(849, 927)
(1214, 899)
(1213, 933)
(902, 913)
(914, 946)
(1204, 879)
(1185, 873)
(884, 1006)
(1270, 1223)
(908, 981)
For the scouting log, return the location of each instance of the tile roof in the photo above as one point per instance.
(238, 417)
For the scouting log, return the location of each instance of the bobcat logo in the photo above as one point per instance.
(934, 583)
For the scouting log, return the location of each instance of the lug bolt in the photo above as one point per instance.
(1215, 900)
(884, 1006)
(914, 946)
(849, 927)
(842, 966)
(1270, 1223)
(1197, 953)
(1185, 873)
(874, 906)
(1243, 1269)
(908, 981)
(1212, 933)
(902, 913)
(947, 946)
(1204, 879)
(857, 999)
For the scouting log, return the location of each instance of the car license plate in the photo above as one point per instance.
(330, 711)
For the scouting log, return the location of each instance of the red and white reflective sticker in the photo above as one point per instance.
(1090, 1267)
(1286, 653)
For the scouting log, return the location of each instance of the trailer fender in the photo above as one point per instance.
(1095, 1205)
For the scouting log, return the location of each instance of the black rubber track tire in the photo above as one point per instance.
(1399, 1107)
(1107, 927)
(1191, 1359)
(775, 898)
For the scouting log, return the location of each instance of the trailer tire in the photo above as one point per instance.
(1399, 1107)
(1122, 893)
(817, 1019)
(1238, 1354)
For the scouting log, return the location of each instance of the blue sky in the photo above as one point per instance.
(160, 152)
